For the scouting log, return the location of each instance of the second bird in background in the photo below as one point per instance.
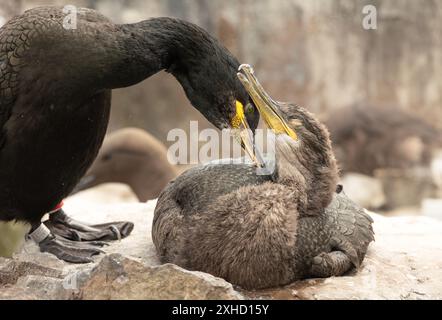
(133, 157)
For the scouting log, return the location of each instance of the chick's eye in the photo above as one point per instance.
(106, 157)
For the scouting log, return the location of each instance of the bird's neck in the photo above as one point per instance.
(150, 46)
(308, 162)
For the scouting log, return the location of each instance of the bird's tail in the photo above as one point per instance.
(352, 227)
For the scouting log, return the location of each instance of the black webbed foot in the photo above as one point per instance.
(68, 251)
(62, 225)
(331, 264)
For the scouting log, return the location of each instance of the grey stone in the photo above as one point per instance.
(117, 277)
(405, 262)
(409, 187)
(11, 271)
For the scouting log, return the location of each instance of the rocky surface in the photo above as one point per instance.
(117, 277)
(405, 262)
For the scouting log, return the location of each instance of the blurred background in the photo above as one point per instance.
(379, 91)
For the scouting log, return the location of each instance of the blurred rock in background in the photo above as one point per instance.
(366, 138)
(395, 148)
(406, 188)
(314, 53)
(133, 157)
(8, 9)
(366, 191)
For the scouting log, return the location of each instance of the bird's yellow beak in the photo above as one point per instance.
(244, 135)
(266, 106)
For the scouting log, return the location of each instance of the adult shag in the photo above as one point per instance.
(265, 231)
(55, 96)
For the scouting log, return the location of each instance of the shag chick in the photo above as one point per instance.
(133, 157)
(265, 231)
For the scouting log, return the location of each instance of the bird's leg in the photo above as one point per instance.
(63, 249)
(62, 225)
(331, 264)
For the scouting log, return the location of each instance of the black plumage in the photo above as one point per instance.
(55, 94)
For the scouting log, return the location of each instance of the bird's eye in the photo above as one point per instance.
(106, 157)
(249, 109)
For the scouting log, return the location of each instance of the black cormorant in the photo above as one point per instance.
(265, 231)
(55, 96)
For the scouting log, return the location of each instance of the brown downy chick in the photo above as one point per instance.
(265, 231)
(133, 157)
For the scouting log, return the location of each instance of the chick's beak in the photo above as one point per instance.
(266, 106)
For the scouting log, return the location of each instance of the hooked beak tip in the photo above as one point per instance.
(267, 107)
(247, 68)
